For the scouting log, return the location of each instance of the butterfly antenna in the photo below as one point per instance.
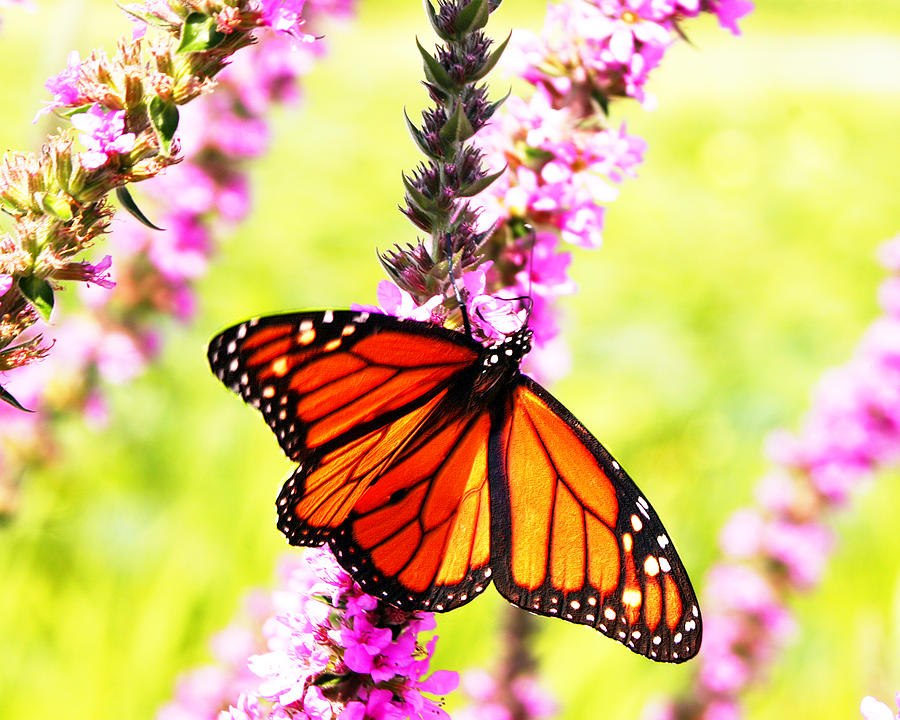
(459, 299)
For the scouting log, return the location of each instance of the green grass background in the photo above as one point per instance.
(736, 268)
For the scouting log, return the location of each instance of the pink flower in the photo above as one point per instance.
(283, 16)
(872, 709)
(363, 642)
(64, 86)
(742, 535)
(85, 272)
(399, 303)
(487, 701)
(730, 11)
(623, 26)
(5, 283)
(496, 317)
(103, 134)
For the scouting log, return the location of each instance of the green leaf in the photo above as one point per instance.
(435, 72)
(199, 34)
(491, 61)
(6, 397)
(38, 292)
(164, 118)
(433, 19)
(457, 129)
(493, 107)
(476, 187)
(130, 205)
(58, 206)
(472, 17)
(418, 137)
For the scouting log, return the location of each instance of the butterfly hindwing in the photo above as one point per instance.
(579, 540)
(419, 537)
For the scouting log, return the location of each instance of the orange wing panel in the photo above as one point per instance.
(422, 568)
(261, 336)
(582, 474)
(331, 398)
(392, 556)
(324, 370)
(270, 352)
(405, 350)
(673, 603)
(340, 479)
(603, 559)
(652, 604)
(359, 406)
(567, 548)
(531, 501)
(376, 527)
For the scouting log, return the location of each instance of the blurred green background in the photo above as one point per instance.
(737, 267)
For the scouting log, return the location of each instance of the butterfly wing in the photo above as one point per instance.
(344, 392)
(573, 537)
(419, 537)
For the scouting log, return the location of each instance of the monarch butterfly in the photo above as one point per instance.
(433, 467)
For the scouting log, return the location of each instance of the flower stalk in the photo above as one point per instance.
(437, 190)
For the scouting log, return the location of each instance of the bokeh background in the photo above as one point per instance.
(737, 267)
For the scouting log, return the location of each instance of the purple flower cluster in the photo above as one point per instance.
(326, 650)
(782, 545)
(564, 162)
(560, 174)
(611, 46)
(116, 335)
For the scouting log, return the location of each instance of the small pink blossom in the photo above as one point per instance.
(399, 303)
(98, 274)
(103, 134)
(5, 283)
(284, 16)
(872, 709)
(496, 317)
(730, 11)
(623, 27)
(64, 86)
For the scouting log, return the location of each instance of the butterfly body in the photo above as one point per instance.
(434, 468)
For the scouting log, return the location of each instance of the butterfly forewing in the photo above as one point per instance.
(321, 378)
(343, 392)
(578, 539)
